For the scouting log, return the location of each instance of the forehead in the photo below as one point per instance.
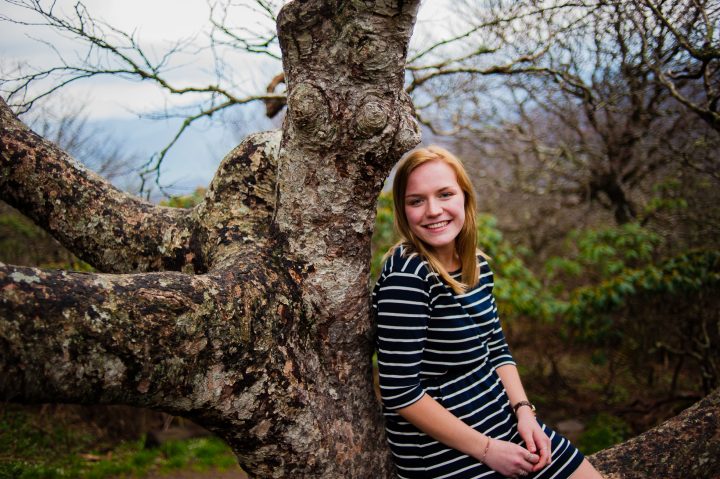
(431, 176)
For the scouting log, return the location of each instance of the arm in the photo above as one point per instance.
(437, 422)
(403, 310)
(528, 427)
(433, 419)
(500, 357)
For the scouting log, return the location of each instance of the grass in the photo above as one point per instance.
(33, 449)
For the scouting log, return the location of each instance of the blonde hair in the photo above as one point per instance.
(466, 240)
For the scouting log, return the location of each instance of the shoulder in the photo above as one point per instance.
(483, 263)
(485, 274)
(403, 281)
(405, 262)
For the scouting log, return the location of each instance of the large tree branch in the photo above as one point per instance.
(236, 214)
(685, 446)
(142, 339)
(227, 349)
(111, 230)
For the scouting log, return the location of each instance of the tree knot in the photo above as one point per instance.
(309, 111)
(371, 117)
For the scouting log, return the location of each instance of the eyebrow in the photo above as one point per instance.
(407, 195)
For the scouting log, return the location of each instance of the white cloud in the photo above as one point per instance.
(155, 20)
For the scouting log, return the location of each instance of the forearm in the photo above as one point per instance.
(437, 422)
(535, 439)
(511, 382)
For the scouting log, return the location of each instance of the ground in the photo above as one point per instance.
(213, 474)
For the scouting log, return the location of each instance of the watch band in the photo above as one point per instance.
(520, 404)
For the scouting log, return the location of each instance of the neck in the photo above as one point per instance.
(448, 257)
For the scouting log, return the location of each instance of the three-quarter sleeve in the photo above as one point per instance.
(402, 309)
(497, 345)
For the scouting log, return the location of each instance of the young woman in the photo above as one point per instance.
(452, 398)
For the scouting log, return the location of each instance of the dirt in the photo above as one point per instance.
(235, 473)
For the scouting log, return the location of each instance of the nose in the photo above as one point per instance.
(433, 208)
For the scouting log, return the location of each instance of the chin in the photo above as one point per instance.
(437, 243)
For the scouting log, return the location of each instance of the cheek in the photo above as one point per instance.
(460, 213)
(413, 216)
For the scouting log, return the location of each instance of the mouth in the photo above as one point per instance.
(438, 225)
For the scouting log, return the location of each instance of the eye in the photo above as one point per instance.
(446, 194)
(413, 201)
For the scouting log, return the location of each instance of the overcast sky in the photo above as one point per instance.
(114, 104)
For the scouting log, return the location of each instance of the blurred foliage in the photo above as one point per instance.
(602, 431)
(384, 235)
(24, 243)
(185, 201)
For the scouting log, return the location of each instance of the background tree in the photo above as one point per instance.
(689, 64)
(571, 102)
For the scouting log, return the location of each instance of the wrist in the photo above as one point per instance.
(523, 407)
(525, 413)
(483, 456)
(481, 447)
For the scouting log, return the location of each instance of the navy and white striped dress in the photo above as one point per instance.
(433, 341)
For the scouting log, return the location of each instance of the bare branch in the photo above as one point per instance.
(494, 21)
(109, 229)
(112, 52)
(243, 38)
(689, 65)
(152, 166)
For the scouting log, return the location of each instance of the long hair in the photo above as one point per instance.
(466, 240)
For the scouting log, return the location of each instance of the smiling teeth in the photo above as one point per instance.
(437, 225)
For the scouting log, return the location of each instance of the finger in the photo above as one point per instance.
(542, 460)
(549, 451)
(531, 458)
(543, 442)
(530, 443)
(544, 457)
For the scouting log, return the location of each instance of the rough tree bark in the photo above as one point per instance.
(250, 313)
(684, 447)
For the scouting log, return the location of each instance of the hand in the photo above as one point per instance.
(536, 441)
(509, 459)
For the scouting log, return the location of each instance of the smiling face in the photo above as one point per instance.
(435, 206)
